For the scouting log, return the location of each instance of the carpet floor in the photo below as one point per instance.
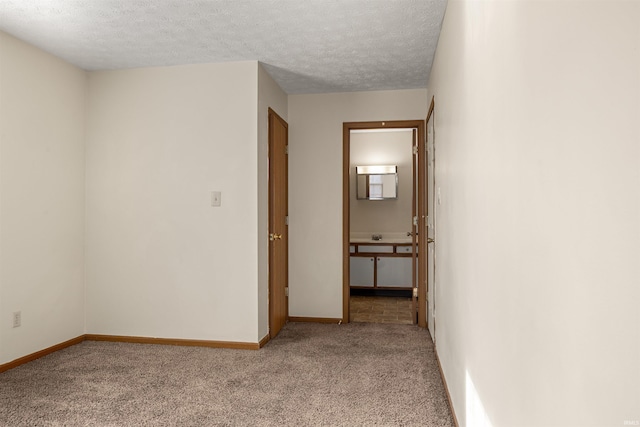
(359, 374)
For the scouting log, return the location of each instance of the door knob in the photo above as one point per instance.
(430, 240)
(275, 236)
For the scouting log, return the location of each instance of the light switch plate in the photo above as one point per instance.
(216, 198)
(17, 319)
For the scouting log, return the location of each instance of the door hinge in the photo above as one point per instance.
(415, 149)
(415, 292)
(286, 220)
(286, 291)
(415, 221)
(286, 149)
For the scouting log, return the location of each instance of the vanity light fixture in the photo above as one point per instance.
(376, 169)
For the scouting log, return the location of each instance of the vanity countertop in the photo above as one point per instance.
(384, 241)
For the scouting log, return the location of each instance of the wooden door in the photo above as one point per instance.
(422, 215)
(414, 229)
(431, 223)
(278, 221)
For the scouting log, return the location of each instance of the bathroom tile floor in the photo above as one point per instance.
(381, 310)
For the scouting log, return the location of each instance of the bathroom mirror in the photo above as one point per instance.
(376, 182)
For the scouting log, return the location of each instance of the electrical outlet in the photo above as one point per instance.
(17, 319)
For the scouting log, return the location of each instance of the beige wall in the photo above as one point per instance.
(42, 112)
(382, 148)
(161, 261)
(270, 95)
(538, 233)
(315, 188)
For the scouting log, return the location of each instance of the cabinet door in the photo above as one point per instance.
(361, 271)
(405, 249)
(394, 272)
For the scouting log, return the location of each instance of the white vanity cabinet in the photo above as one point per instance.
(379, 265)
(394, 272)
(361, 271)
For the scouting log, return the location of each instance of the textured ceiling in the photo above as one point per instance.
(308, 46)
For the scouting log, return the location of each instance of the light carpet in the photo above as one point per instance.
(359, 374)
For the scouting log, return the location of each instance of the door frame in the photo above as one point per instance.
(273, 116)
(346, 224)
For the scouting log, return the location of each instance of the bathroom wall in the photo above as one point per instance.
(382, 148)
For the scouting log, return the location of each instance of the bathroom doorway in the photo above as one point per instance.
(383, 272)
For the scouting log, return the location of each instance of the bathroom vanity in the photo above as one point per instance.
(380, 264)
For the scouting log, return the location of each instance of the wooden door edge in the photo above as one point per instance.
(271, 116)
